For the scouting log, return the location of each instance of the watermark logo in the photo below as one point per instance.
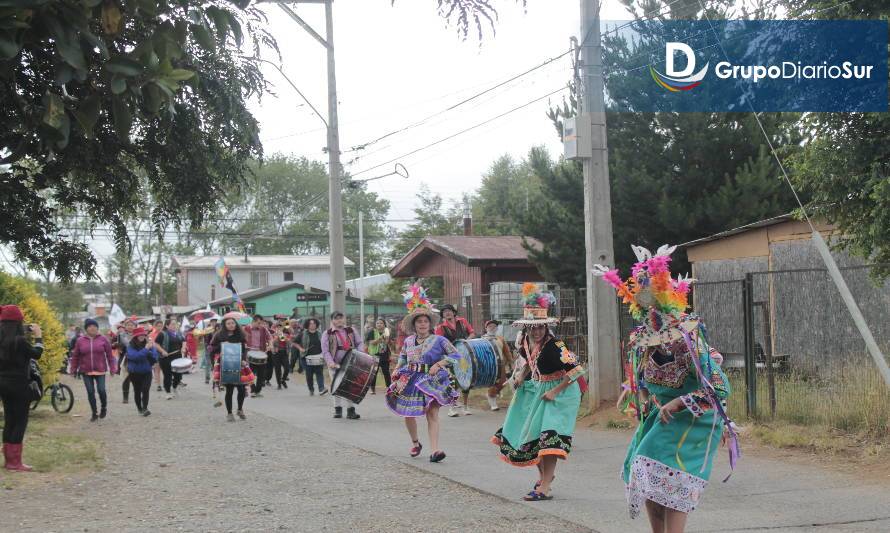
(679, 80)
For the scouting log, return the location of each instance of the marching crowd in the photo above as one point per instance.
(675, 387)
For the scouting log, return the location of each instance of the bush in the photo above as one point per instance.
(23, 293)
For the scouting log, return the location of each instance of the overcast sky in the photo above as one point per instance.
(397, 65)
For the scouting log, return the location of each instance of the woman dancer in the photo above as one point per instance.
(231, 332)
(678, 386)
(141, 358)
(421, 383)
(541, 418)
(16, 354)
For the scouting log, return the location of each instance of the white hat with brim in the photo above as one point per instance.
(535, 316)
(408, 321)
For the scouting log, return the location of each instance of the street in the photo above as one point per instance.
(291, 467)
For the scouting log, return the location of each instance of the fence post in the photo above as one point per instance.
(750, 359)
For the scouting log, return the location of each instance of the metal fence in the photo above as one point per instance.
(791, 350)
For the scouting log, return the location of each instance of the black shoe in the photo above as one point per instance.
(159, 389)
(103, 413)
(351, 414)
(94, 418)
(126, 400)
(338, 412)
(284, 384)
(146, 413)
(311, 392)
(279, 386)
(437, 457)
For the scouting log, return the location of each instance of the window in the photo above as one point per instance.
(288, 276)
(258, 280)
(466, 290)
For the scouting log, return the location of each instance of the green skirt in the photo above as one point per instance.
(670, 464)
(534, 427)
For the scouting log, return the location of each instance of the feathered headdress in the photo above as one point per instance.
(651, 294)
(535, 304)
(417, 303)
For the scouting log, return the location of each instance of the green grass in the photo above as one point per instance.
(853, 400)
(52, 446)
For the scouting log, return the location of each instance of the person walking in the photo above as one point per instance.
(92, 358)
(232, 332)
(169, 344)
(212, 328)
(141, 358)
(336, 342)
(296, 361)
(455, 328)
(259, 342)
(378, 342)
(505, 366)
(123, 342)
(16, 353)
(421, 383)
(156, 330)
(281, 341)
(312, 356)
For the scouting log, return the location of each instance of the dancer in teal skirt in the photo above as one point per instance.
(677, 388)
(540, 422)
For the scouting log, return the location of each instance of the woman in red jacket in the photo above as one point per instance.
(92, 357)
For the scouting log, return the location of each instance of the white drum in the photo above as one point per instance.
(183, 365)
(257, 357)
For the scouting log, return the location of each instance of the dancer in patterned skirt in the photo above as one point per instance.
(421, 383)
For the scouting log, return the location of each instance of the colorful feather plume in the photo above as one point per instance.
(650, 284)
(416, 298)
(532, 297)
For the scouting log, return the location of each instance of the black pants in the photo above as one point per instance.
(141, 389)
(295, 360)
(279, 364)
(242, 392)
(382, 366)
(260, 372)
(318, 372)
(16, 407)
(92, 384)
(125, 386)
(171, 378)
(269, 367)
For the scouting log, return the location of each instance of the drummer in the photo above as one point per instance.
(455, 328)
(505, 368)
(336, 342)
(258, 340)
(421, 383)
(230, 332)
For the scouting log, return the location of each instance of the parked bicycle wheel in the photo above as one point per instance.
(62, 398)
(35, 403)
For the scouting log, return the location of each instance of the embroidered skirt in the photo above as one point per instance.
(534, 427)
(412, 391)
(670, 464)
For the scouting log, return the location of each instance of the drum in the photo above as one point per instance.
(257, 357)
(478, 365)
(353, 378)
(231, 364)
(463, 368)
(183, 365)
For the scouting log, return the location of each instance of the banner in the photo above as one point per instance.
(225, 280)
(116, 316)
(746, 65)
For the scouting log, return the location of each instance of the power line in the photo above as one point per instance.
(420, 122)
(471, 128)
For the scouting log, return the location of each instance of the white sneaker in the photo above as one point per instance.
(453, 412)
(467, 411)
(493, 404)
(169, 396)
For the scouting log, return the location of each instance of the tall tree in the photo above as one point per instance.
(844, 167)
(508, 190)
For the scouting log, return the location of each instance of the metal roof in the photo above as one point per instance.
(741, 229)
(255, 261)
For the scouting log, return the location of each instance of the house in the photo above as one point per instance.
(197, 282)
(298, 300)
(468, 265)
(768, 279)
(367, 283)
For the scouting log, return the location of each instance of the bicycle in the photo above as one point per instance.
(61, 396)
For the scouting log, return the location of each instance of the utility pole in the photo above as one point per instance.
(602, 310)
(361, 268)
(335, 210)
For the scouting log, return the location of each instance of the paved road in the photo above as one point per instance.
(763, 495)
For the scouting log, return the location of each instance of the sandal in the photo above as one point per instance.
(415, 451)
(538, 484)
(535, 496)
(437, 456)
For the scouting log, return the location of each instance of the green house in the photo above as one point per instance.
(299, 301)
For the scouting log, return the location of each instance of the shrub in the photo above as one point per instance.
(23, 293)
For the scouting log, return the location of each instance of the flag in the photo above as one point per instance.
(185, 324)
(116, 316)
(225, 280)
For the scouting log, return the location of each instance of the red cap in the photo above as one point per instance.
(11, 313)
(139, 331)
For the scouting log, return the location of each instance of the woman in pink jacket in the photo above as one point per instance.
(92, 358)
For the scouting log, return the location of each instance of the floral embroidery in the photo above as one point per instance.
(566, 355)
(549, 443)
(672, 374)
(653, 480)
(692, 404)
